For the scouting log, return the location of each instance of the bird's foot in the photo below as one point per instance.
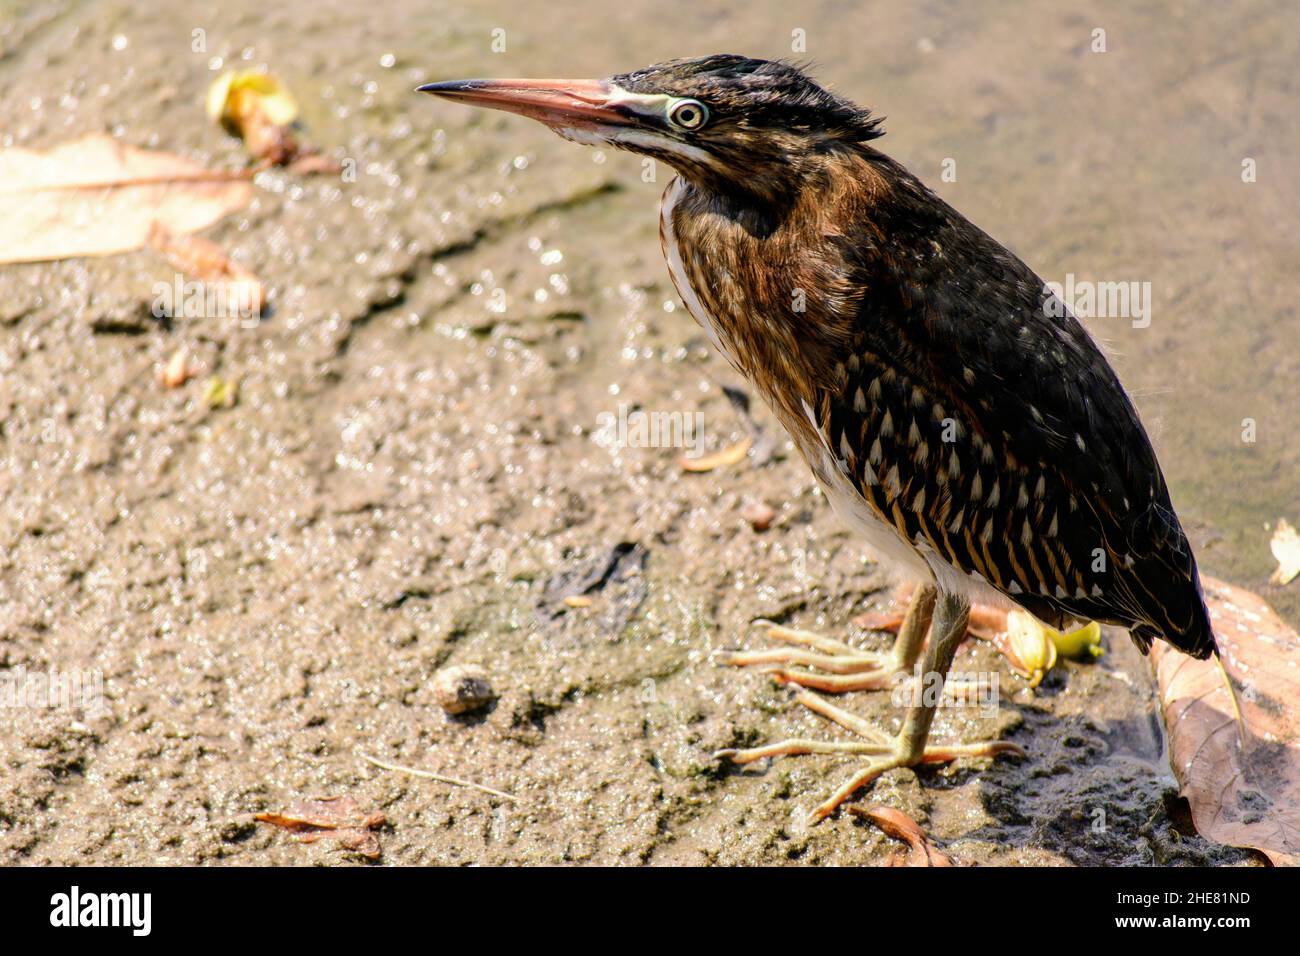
(842, 667)
(884, 753)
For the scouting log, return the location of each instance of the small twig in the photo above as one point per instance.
(428, 774)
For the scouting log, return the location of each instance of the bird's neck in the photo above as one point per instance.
(774, 287)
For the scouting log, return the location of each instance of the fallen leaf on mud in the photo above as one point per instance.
(258, 108)
(728, 456)
(1027, 645)
(177, 371)
(96, 196)
(1080, 644)
(236, 93)
(199, 258)
(220, 393)
(897, 824)
(1285, 546)
(331, 818)
(1030, 647)
(1237, 755)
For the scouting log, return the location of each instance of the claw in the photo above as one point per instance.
(836, 683)
(886, 753)
(832, 663)
(792, 635)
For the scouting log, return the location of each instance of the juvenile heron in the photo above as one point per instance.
(952, 409)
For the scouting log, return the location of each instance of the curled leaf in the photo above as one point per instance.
(1028, 646)
(204, 260)
(220, 392)
(1285, 546)
(728, 456)
(1081, 644)
(237, 94)
(1234, 725)
(897, 824)
(257, 108)
(334, 818)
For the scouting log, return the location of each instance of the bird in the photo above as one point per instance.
(954, 412)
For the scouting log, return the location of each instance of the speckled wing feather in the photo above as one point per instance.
(993, 431)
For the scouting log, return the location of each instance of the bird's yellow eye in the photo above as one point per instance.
(688, 114)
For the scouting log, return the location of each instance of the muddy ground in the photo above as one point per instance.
(268, 589)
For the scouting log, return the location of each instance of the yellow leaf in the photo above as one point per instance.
(1081, 644)
(235, 95)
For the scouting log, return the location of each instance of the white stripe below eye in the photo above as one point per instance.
(648, 139)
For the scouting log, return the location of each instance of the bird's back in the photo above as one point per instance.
(963, 403)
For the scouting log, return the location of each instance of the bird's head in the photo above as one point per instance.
(729, 123)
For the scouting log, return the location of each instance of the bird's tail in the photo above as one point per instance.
(1195, 640)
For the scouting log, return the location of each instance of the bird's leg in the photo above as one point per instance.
(951, 615)
(844, 668)
(916, 624)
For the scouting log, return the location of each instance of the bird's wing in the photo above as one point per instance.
(976, 414)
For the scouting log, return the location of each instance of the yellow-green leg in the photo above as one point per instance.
(843, 668)
(951, 614)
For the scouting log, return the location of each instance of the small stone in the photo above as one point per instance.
(759, 515)
(462, 688)
(178, 370)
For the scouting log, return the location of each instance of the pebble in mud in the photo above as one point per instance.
(759, 515)
(462, 688)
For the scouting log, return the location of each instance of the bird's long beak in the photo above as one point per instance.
(584, 104)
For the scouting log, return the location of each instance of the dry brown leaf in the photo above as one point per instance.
(1237, 756)
(728, 456)
(96, 196)
(897, 824)
(314, 164)
(333, 818)
(202, 259)
(258, 108)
